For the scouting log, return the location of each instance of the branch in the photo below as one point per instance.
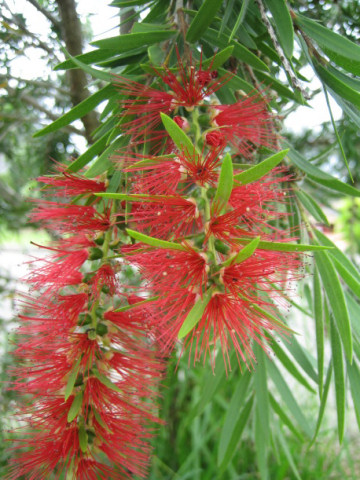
(51, 18)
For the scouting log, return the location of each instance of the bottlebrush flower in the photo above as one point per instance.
(201, 167)
(67, 184)
(246, 124)
(166, 216)
(67, 218)
(188, 88)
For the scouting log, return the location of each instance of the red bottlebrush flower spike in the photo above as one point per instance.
(246, 124)
(68, 184)
(67, 218)
(201, 168)
(104, 278)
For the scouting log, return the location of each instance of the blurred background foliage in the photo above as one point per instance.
(212, 422)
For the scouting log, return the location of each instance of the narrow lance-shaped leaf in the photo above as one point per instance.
(285, 247)
(75, 407)
(195, 314)
(262, 413)
(130, 41)
(319, 328)
(244, 253)
(72, 379)
(225, 182)
(240, 18)
(202, 19)
(154, 242)
(335, 295)
(339, 374)
(311, 206)
(219, 59)
(354, 377)
(340, 49)
(283, 25)
(323, 402)
(179, 137)
(232, 416)
(261, 169)
(83, 439)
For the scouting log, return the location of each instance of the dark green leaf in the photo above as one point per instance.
(284, 418)
(240, 52)
(244, 253)
(219, 59)
(75, 407)
(154, 242)
(240, 18)
(321, 177)
(319, 327)
(339, 49)
(349, 279)
(283, 25)
(339, 374)
(202, 19)
(94, 56)
(87, 156)
(301, 357)
(130, 41)
(279, 87)
(262, 414)
(103, 162)
(195, 314)
(227, 440)
(261, 169)
(79, 111)
(311, 206)
(335, 295)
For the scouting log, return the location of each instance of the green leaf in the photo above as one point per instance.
(285, 247)
(339, 374)
(354, 377)
(78, 111)
(231, 419)
(195, 314)
(75, 407)
(287, 397)
(94, 72)
(272, 318)
(238, 424)
(103, 162)
(106, 381)
(290, 366)
(285, 446)
(244, 253)
(338, 48)
(137, 304)
(301, 357)
(225, 182)
(311, 206)
(279, 87)
(323, 402)
(319, 328)
(87, 156)
(219, 59)
(202, 19)
(235, 82)
(72, 379)
(262, 413)
(337, 85)
(134, 197)
(349, 279)
(179, 137)
(283, 25)
(321, 177)
(154, 242)
(240, 52)
(261, 169)
(130, 41)
(83, 439)
(240, 18)
(335, 295)
(284, 418)
(95, 56)
(335, 252)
